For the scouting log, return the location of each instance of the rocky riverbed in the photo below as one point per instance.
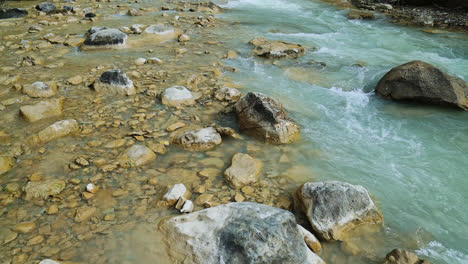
(118, 117)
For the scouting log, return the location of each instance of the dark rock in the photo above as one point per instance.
(422, 82)
(400, 256)
(333, 207)
(90, 15)
(12, 13)
(237, 233)
(114, 81)
(68, 8)
(46, 7)
(263, 117)
(101, 36)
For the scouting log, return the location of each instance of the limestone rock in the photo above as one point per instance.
(24, 228)
(114, 81)
(237, 233)
(333, 207)
(400, 256)
(175, 192)
(40, 89)
(43, 109)
(244, 170)
(56, 130)
(177, 96)
(43, 189)
(276, 49)
(263, 117)
(422, 82)
(102, 36)
(199, 139)
(12, 13)
(46, 7)
(135, 156)
(228, 94)
(5, 164)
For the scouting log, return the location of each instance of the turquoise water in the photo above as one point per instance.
(412, 158)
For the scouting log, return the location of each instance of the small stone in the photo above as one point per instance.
(188, 207)
(48, 261)
(85, 213)
(91, 188)
(239, 197)
(135, 156)
(203, 198)
(175, 126)
(56, 130)
(155, 60)
(43, 189)
(75, 80)
(46, 7)
(140, 61)
(51, 210)
(35, 240)
(180, 203)
(202, 139)
(87, 195)
(311, 241)
(24, 228)
(5, 164)
(40, 89)
(244, 170)
(209, 172)
(248, 190)
(115, 143)
(228, 94)
(231, 54)
(114, 81)
(184, 38)
(175, 192)
(177, 96)
(42, 110)
(134, 12)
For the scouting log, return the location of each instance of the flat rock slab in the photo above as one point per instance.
(237, 233)
(202, 139)
(114, 82)
(41, 110)
(163, 32)
(40, 89)
(333, 207)
(244, 170)
(56, 130)
(135, 156)
(43, 189)
(264, 118)
(419, 81)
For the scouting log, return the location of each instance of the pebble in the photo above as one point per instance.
(188, 207)
(51, 210)
(24, 228)
(140, 61)
(35, 240)
(175, 192)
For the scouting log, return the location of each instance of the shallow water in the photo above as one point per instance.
(411, 157)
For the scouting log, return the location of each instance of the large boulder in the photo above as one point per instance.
(46, 7)
(422, 82)
(243, 170)
(114, 82)
(237, 233)
(275, 49)
(264, 117)
(102, 36)
(400, 256)
(12, 13)
(198, 139)
(42, 110)
(333, 207)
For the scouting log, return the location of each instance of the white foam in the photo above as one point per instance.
(436, 250)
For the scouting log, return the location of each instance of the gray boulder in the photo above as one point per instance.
(102, 36)
(333, 207)
(263, 117)
(202, 139)
(422, 82)
(12, 13)
(46, 7)
(237, 233)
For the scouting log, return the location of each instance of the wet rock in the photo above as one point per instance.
(204, 198)
(263, 117)
(276, 49)
(46, 7)
(90, 15)
(43, 189)
(198, 140)
(84, 213)
(163, 32)
(400, 256)
(311, 241)
(51, 210)
(41, 110)
(24, 228)
(422, 82)
(114, 81)
(243, 170)
(184, 38)
(177, 96)
(48, 261)
(35, 240)
(140, 61)
(102, 36)
(175, 192)
(360, 14)
(56, 130)
(134, 12)
(12, 13)
(135, 156)
(188, 207)
(228, 94)
(5, 164)
(75, 80)
(333, 207)
(237, 233)
(40, 89)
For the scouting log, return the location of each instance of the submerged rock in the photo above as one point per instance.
(46, 7)
(228, 94)
(177, 96)
(237, 233)
(422, 82)
(56, 130)
(114, 81)
(163, 32)
(175, 193)
(5, 164)
(360, 14)
(41, 110)
(43, 189)
(400, 256)
(199, 139)
(263, 117)
(102, 36)
(243, 170)
(135, 156)
(12, 13)
(40, 89)
(276, 49)
(48, 261)
(333, 207)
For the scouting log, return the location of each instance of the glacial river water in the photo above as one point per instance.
(412, 158)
